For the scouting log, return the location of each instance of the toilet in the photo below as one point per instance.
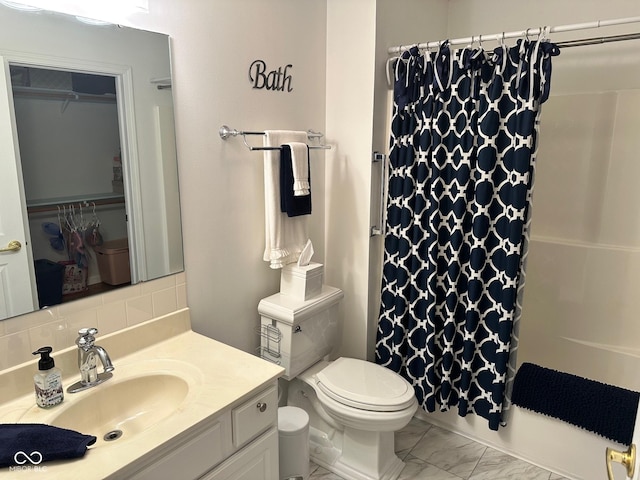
(354, 406)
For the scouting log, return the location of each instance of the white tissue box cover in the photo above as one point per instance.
(303, 282)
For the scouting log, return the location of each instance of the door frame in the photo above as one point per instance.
(128, 142)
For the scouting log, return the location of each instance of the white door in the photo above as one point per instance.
(17, 291)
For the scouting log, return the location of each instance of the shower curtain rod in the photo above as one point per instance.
(598, 40)
(531, 31)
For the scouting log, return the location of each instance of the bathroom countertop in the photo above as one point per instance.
(223, 377)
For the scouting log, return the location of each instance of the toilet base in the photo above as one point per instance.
(356, 454)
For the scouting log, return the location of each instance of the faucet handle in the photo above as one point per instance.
(83, 332)
(86, 337)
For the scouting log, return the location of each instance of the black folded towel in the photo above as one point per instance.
(290, 204)
(32, 444)
(607, 410)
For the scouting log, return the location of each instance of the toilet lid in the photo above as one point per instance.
(365, 385)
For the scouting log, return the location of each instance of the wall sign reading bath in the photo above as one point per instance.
(279, 79)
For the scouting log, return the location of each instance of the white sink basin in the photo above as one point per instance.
(126, 407)
(123, 406)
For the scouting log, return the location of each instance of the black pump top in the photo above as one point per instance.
(45, 362)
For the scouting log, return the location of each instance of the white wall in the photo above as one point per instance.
(221, 183)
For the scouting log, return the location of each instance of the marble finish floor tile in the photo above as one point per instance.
(320, 473)
(409, 436)
(495, 465)
(432, 453)
(418, 469)
(454, 453)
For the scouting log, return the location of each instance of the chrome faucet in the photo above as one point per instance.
(87, 361)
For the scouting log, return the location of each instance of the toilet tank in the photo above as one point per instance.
(297, 333)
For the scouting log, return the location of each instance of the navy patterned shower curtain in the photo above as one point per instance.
(463, 146)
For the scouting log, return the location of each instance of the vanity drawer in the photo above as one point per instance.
(254, 416)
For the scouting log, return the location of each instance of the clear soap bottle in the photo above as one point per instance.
(48, 380)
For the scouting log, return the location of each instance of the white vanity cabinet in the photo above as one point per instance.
(257, 461)
(240, 443)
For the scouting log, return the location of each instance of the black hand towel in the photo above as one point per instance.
(290, 204)
(32, 444)
(607, 410)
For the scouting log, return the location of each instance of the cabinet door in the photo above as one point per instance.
(192, 458)
(257, 461)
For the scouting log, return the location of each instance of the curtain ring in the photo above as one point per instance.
(480, 41)
(545, 33)
(526, 34)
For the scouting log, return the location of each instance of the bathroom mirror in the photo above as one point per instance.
(86, 119)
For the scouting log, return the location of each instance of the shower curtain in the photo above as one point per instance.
(461, 172)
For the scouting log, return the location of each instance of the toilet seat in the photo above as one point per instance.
(365, 386)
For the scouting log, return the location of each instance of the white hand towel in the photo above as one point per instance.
(285, 237)
(300, 168)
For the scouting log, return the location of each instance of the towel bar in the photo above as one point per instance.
(226, 132)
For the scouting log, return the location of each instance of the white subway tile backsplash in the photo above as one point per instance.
(139, 310)
(112, 311)
(181, 294)
(81, 305)
(122, 294)
(164, 301)
(15, 349)
(158, 284)
(55, 334)
(112, 317)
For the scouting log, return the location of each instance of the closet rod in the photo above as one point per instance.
(226, 132)
(521, 33)
(82, 203)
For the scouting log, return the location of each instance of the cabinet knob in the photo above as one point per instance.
(261, 406)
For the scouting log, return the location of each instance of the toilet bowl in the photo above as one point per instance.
(354, 406)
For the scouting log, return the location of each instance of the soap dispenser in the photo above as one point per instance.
(48, 380)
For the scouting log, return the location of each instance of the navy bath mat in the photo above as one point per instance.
(604, 409)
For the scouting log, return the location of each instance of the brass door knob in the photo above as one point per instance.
(13, 246)
(628, 459)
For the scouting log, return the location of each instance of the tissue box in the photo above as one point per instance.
(301, 283)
